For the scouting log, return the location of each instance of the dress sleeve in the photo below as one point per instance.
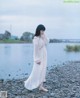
(36, 54)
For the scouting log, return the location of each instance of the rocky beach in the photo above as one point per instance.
(61, 81)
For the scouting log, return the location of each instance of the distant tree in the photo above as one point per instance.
(22, 38)
(27, 36)
(2, 36)
(7, 34)
(16, 38)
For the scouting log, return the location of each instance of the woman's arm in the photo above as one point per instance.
(36, 50)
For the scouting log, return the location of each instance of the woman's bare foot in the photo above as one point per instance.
(43, 89)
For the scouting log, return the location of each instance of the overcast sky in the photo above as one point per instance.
(62, 20)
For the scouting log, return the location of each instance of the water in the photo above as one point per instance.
(16, 60)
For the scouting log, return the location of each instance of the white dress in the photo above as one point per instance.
(38, 74)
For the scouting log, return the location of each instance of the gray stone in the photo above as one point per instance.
(52, 94)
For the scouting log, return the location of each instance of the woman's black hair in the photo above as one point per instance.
(38, 29)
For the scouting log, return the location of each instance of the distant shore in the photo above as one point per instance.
(50, 41)
(62, 82)
(13, 41)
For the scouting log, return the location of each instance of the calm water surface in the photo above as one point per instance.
(16, 60)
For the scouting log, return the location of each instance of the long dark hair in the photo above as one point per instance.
(38, 29)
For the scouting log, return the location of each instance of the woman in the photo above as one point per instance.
(38, 74)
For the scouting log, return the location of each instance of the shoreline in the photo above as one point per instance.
(61, 81)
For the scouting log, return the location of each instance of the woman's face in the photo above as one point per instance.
(41, 32)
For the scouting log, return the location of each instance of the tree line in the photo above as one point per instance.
(26, 36)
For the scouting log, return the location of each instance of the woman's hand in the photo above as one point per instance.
(38, 62)
(42, 35)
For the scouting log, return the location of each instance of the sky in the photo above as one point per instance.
(62, 20)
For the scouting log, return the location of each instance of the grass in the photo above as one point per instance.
(72, 48)
(13, 41)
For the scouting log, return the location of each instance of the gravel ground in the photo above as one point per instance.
(62, 82)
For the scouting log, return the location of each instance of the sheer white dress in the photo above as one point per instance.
(38, 74)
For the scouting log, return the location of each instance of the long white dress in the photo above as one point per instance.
(38, 74)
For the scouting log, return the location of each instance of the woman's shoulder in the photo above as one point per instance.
(35, 38)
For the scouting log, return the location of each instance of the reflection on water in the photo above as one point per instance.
(7, 50)
(16, 60)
